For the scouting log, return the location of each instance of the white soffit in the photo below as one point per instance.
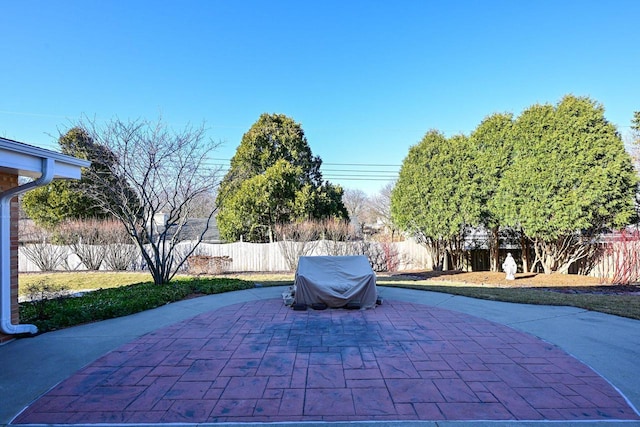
(26, 160)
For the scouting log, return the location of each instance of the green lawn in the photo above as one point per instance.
(80, 281)
(92, 280)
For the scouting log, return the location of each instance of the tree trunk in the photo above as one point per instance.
(544, 255)
(494, 248)
(526, 255)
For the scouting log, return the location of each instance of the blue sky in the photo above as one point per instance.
(366, 79)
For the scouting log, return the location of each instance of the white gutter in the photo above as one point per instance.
(48, 173)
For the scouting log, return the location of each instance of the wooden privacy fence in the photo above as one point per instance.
(243, 256)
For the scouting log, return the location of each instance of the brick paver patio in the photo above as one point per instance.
(263, 362)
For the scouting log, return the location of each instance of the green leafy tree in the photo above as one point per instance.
(62, 200)
(272, 137)
(54, 203)
(571, 178)
(436, 196)
(274, 178)
(492, 141)
(261, 202)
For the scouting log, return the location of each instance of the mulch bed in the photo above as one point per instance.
(565, 283)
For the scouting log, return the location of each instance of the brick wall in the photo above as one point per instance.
(9, 181)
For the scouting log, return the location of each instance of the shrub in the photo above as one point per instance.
(62, 312)
(336, 236)
(40, 250)
(205, 264)
(97, 241)
(41, 293)
(296, 239)
(85, 240)
(120, 256)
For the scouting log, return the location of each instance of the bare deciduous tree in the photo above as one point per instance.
(149, 171)
(356, 203)
(379, 210)
(203, 205)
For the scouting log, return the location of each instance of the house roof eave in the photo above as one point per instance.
(26, 160)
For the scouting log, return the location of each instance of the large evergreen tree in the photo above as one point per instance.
(571, 178)
(61, 200)
(492, 142)
(436, 197)
(274, 178)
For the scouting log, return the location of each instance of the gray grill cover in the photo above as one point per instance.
(335, 281)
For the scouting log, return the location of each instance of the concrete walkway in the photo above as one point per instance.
(369, 378)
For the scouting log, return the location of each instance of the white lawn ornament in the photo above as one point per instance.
(510, 267)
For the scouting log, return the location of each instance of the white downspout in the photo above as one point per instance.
(48, 169)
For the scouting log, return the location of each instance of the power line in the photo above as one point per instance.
(333, 178)
(330, 177)
(363, 164)
(343, 171)
(339, 164)
(358, 170)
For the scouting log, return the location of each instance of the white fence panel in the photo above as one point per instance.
(71, 262)
(247, 256)
(268, 257)
(413, 256)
